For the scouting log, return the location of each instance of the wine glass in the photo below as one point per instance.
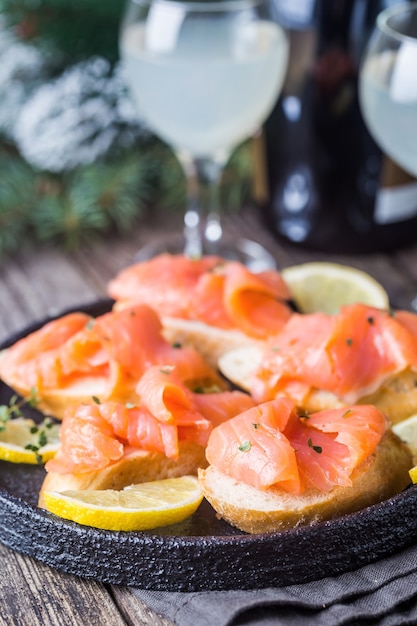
(205, 75)
(388, 85)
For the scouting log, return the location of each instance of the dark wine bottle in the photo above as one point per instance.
(329, 186)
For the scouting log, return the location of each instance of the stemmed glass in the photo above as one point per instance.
(205, 75)
(388, 85)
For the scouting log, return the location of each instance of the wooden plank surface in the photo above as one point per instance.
(38, 283)
(33, 594)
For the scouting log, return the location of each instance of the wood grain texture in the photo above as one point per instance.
(32, 594)
(134, 610)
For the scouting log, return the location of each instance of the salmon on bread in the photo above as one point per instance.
(76, 357)
(273, 467)
(162, 434)
(360, 355)
(211, 303)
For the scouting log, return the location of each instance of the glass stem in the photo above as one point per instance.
(202, 234)
(209, 172)
(193, 245)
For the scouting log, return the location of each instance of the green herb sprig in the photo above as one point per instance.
(42, 432)
(14, 408)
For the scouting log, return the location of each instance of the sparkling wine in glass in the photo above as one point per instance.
(205, 75)
(388, 86)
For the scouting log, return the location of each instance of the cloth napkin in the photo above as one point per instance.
(382, 593)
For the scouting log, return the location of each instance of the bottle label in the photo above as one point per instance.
(396, 204)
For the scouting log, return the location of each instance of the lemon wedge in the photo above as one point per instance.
(24, 441)
(407, 432)
(325, 287)
(413, 474)
(137, 507)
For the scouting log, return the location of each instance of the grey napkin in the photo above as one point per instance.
(383, 593)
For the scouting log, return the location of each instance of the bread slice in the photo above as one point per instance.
(210, 341)
(239, 365)
(396, 395)
(379, 477)
(136, 466)
(57, 402)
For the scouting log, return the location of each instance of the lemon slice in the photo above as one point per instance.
(137, 507)
(407, 432)
(325, 287)
(413, 475)
(20, 439)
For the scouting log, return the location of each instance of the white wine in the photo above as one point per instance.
(388, 91)
(331, 188)
(212, 88)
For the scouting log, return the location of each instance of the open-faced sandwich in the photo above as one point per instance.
(361, 355)
(210, 303)
(76, 357)
(162, 434)
(273, 467)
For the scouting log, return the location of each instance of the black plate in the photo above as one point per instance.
(203, 552)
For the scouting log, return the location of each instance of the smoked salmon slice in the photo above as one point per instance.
(33, 358)
(166, 282)
(115, 348)
(218, 407)
(165, 413)
(212, 290)
(273, 444)
(87, 442)
(349, 354)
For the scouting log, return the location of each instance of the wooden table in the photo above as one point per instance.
(37, 283)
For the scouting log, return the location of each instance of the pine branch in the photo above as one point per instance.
(108, 8)
(168, 180)
(17, 201)
(166, 177)
(117, 190)
(76, 29)
(237, 179)
(92, 201)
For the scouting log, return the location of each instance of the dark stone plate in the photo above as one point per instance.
(203, 552)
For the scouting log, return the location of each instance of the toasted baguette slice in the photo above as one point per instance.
(380, 476)
(210, 341)
(57, 402)
(137, 466)
(239, 365)
(396, 396)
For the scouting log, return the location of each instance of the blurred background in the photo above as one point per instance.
(76, 161)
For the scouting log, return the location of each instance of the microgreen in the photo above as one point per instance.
(14, 408)
(317, 449)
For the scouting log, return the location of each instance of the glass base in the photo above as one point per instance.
(250, 253)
